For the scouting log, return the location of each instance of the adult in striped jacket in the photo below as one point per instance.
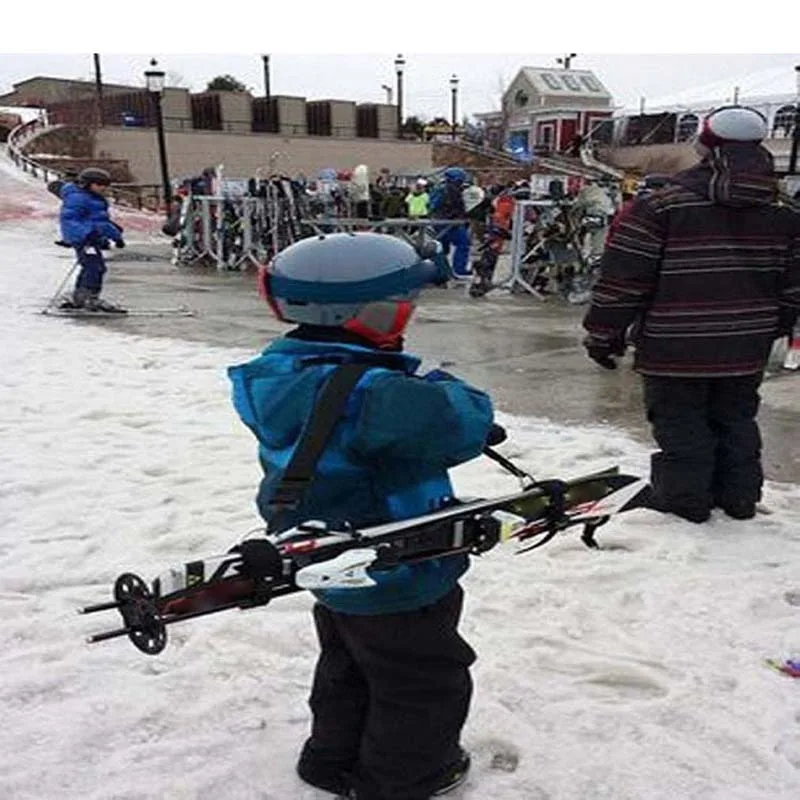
(707, 271)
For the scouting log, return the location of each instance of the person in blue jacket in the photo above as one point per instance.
(86, 226)
(392, 686)
(447, 202)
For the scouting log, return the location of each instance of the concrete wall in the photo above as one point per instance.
(291, 115)
(343, 118)
(236, 110)
(176, 106)
(191, 151)
(387, 121)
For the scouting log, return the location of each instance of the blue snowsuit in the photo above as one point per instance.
(85, 224)
(450, 205)
(386, 460)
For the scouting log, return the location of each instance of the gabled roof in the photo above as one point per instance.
(566, 82)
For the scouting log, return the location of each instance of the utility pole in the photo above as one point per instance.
(98, 82)
(796, 132)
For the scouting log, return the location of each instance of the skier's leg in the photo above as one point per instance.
(417, 666)
(681, 474)
(339, 705)
(446, 238)
(90, 278)
(460, 238)
(738, 476)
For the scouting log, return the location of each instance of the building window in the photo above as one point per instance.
(687, 127)
(783, 126)
(571, 83)
(590, 83)
(552, 81)
(521, 98)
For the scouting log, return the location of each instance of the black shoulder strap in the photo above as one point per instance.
(327, 411)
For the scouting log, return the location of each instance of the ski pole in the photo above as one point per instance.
(508, 466)
(61, 286)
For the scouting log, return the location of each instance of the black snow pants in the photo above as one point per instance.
(709, 439)
(390, 697)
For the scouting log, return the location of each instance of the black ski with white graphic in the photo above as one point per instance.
(85, 313)
(312, 556)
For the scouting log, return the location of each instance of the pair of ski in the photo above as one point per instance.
(312, 556)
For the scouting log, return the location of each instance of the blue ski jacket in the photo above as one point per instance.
(84, 216)
(386, 460)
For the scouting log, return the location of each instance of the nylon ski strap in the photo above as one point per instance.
(327, 411)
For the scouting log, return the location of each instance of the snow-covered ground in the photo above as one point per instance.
(633, 673)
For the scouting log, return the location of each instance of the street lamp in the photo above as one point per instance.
(154, 78)
(796, 132)
(388, 90)
(453, 105)
(267, 93)
(399, 63)
(566, 60)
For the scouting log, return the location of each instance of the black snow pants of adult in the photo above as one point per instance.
(390, 697)
(709, 439)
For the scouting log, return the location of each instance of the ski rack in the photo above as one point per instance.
(521, 254)
(231, 231)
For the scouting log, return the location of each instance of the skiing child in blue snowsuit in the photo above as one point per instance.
(392, 687)
(447, 202)
(86, 226)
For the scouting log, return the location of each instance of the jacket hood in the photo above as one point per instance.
(740, 175)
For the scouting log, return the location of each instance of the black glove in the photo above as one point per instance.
(602, 351)
(787, 319)
(120, 244)
(260, 559)
(497, 435)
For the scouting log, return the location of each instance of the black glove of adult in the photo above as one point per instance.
(602, 351)
(260, 558)
(120, 244)
(497, 435)
(787, 319)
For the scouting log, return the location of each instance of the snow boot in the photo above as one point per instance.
(330, 775)
(452, 777)
(96, 303)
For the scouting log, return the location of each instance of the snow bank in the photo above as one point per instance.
(633, 673)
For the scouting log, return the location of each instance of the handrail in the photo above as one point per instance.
(147, 197)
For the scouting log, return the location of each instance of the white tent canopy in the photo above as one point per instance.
(777, 84)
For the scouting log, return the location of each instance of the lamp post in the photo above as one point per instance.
(155, 87)
(267, 92)
(399, 63)
(98, 84)
(388, 90)
(453, 106)
(796, 131)
(566, 61)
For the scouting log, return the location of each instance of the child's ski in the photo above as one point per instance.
(85, 313)
(311, 556)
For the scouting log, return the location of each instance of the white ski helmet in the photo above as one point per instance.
(731, 124)
(363, 282)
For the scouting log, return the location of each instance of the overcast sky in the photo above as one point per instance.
(427, 89)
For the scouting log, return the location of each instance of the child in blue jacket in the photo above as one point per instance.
(86, 226)
(392, 686)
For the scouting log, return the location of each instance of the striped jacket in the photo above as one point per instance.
(707, 270)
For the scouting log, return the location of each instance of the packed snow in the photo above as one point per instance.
(633, 673)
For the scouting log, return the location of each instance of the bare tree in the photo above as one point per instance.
(175, 79)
